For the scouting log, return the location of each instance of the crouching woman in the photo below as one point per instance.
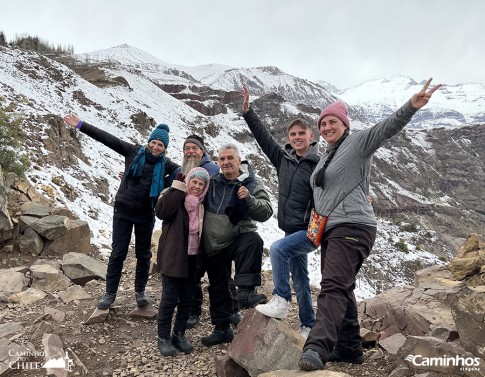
(181, 209)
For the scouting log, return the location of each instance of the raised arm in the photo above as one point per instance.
(422, 97)
(267, 143)
(122, 147)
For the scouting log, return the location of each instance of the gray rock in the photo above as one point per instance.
(11, 280)
(30, 242)
(35, 210)
(393, 343)
(76, 238)
(48, 278)
(74, 293)
(82, 268)
(264, 344)
(51, 227)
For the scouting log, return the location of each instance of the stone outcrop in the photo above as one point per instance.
(42, 228)
(437, 326)
(6, 224)
(264, 344)
(442, 316)
(82, 268)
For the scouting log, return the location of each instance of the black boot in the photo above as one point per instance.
(236, 318)
(166, 347)
(141, 298)
(192, 321)
(219, 335)
(249, 298)
(181, 343)
(106, 301)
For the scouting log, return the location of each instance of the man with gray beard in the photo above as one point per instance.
(195, 155)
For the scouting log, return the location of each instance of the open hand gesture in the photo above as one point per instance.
(423, 96)
(245, 96)
(72, 120)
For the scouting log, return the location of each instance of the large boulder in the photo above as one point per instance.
(264, 344)
(470, 258)
(51, 226)
(428, 353)
(48, 278)
(12, 280)
(76, 238)
(30, 242)
(82, 268)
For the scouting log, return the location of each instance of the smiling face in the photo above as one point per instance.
(331, 128)
(229, 162)
(300, 139)
(156, 147)
(196, 186)
(192, 151)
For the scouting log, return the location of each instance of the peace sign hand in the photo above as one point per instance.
(423, 96)
(245, 96)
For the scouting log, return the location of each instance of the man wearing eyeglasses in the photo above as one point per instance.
(195, 155)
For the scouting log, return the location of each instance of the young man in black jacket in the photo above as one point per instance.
(294, 165)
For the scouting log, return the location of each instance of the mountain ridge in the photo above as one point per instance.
(84, 175)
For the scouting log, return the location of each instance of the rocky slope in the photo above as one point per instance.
(425, 188)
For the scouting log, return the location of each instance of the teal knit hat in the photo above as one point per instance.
(161, 133)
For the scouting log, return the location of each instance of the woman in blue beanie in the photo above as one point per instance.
(147, 172)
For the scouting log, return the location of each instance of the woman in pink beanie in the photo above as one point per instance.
(340, 185)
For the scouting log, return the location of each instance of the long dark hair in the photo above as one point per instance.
(320, 176)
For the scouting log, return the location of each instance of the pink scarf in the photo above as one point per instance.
(192, 205)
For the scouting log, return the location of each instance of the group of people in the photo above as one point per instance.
(209, 214)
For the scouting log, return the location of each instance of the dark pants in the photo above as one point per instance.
(344, 248)
(196, 309)
(176, 293)
(124, 219)
(247, 253)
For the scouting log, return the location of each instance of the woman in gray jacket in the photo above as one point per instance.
(340, 188)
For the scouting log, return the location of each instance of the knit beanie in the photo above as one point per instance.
(160, 133)
(198, 172)
(337, 109)
(195, 139)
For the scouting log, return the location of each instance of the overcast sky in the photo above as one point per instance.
(342, 42)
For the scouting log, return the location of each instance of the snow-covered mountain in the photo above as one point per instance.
(453, 105)
(126, 91)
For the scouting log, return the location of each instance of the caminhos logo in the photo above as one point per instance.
(464, 363)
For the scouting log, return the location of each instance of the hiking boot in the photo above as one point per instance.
(192, 321)
(310, 360)
(141, 298)
(181, 343)
(236, 318)
(248, 297)
(166, 347)
(277, 308)
(106, 301)
(219, 335)
(304, 332)
(340, 355)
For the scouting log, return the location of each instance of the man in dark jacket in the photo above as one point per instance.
(294, 165)
(234, 202)
(147, 172)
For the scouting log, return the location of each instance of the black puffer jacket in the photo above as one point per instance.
(134, 193)
(295, 199)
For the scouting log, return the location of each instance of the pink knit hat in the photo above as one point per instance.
(337, 109)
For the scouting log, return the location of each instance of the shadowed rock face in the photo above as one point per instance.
(449, 164)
